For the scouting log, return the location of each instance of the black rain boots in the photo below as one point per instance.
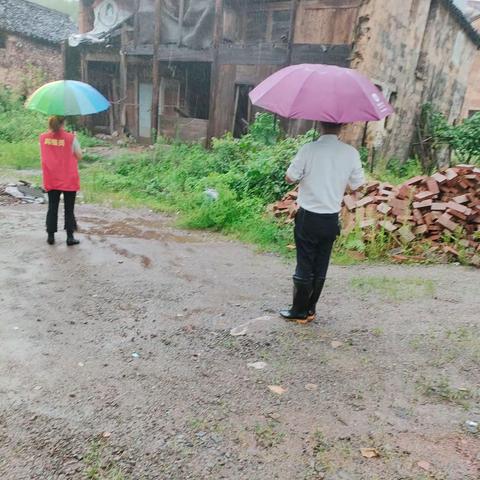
(51, 238)
(302, 292)
(318, 284)
(71, 240)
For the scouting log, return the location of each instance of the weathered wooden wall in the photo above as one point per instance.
(326, 21)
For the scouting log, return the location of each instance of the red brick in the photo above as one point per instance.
(350, 202)
(446, 221)
(461, 199)
(451, 173)
(432, 186)
(421, 230)
(439, 178)
(439, 206)
(388, 226)
(459, 208)
(384, 208)
(415, 180)
(420, 196)
(423, 204)
(404, 192)
(406, 234)
(365, 201)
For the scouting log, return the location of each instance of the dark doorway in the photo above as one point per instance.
(243, 110)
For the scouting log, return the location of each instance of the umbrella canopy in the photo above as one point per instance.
(67, 98)
(321, 92)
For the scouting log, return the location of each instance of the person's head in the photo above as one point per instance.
(55, 123)
(329, 128)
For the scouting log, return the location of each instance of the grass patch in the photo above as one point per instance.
(20, 156)
(97, 468)
(441, 390)
(397, 289)
(268, 435)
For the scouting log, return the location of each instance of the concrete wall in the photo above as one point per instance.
(26, 64)
(472, 98)
(416, 51)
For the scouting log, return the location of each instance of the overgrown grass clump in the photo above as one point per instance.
(247, 174)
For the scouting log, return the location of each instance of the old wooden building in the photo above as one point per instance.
(185, 67)
(31, 39)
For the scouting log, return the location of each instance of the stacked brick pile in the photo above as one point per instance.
(423, 209)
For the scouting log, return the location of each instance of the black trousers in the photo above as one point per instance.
(52, 214)
(315, 234)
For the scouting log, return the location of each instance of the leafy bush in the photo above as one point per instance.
(466, 141)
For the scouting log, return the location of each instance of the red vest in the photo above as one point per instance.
(59, 164)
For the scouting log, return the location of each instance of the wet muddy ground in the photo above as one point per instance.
(117, 361)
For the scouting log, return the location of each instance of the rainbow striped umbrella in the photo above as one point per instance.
(67, 98)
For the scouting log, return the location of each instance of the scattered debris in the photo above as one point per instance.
(424, 465)
(471, 426)
(277, 389)
(135, 355)
(256, 323)
(23, 192)
(239, 331)
(421, 209)
(311, 387)
(257, 365)
(211, 194)
(336, 344)
(106, 434)
(369, 452)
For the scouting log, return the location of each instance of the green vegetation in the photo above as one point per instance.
(19, 131)
(394, 288)
(97, 468)
(227, 188)
(441, 390)
(267, 435)
(437, 136)
(247, 173)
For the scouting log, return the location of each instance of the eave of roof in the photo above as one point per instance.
(35, 21)
(463, 21)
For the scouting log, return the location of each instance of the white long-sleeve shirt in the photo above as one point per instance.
(324, 169)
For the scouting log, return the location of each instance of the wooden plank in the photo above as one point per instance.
(123, 81)
(291, 31)
(214, 77)
(326, 54)
(278, 55)
(172, 53)
(102, 57)
(261, 54)
(156, 71)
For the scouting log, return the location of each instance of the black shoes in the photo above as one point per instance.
(302, 292)
(71, 240)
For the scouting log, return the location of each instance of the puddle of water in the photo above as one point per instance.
(145, 261)
(135, 228)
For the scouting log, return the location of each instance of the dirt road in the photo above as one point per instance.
(117, 361)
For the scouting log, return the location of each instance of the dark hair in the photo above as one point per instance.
(329, 127)
(55, 123)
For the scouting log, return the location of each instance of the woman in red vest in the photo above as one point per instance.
(60, 155)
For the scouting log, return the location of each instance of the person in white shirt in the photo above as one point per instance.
(324, 169)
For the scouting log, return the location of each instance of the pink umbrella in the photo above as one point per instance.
(321, 92)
